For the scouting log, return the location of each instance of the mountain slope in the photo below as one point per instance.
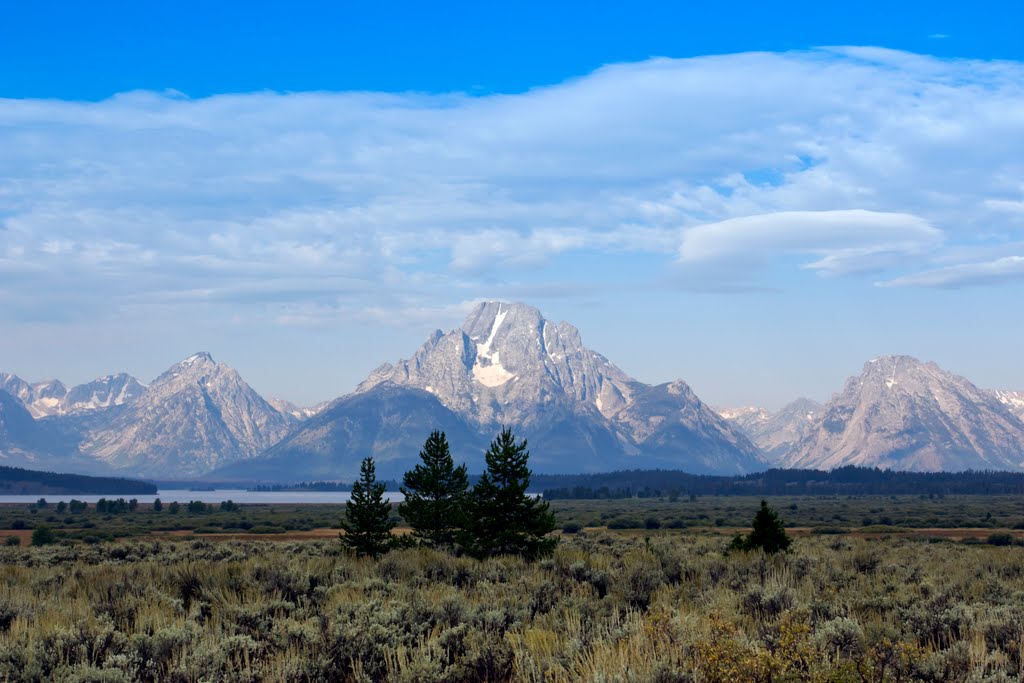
(776, 434)
(1014, 400)
(387, 421)
(503, 362)
(298, 412)
(196, 416)
(27, 442)
(668, 420)
(900, 413)
(507, 365)
(18, 432)
(41, 398)
(105, 392)
(44, 399)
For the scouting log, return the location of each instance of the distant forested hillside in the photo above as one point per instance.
(16, 481)
(777, 482)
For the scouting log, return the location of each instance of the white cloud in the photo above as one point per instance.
(998, 271)
(845, 157)
(1005, 206)
(841, 241)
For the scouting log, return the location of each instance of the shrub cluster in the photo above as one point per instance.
(602, 607)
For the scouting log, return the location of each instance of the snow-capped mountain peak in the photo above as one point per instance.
(508, 365)
(502, 360)
(52, 397)
(105, 392)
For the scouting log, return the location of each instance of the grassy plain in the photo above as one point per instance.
(881, 514)
(895, 601)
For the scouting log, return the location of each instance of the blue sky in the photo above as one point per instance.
(757, 201)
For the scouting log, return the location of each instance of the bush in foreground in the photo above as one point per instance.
(603, 607)
(768, 533)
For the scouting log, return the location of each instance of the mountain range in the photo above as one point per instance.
(898, 413)
(505, 365)
(776, 434)
(44, 399)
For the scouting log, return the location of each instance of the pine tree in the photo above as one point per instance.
(501, 518)
(435, 493)
(367, 522)
(768, 533)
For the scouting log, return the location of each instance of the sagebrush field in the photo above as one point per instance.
(610, 605)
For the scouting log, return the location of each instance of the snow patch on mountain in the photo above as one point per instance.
(52, 397)
(776, 434)
(487, 369)
(1014, 400)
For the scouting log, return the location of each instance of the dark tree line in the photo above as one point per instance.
(319, 486)
(16, 481)
(495, 516)
(779, 482)
(116, 506)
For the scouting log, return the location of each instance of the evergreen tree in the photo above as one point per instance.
(43, 535)
(367, 522)
(768, 533)
(434, 493)
(501, 518)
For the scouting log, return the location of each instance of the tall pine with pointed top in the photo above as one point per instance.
(501, 518)
(367, 522)
(435, 493)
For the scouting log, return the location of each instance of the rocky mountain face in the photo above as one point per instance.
(900, 413)
(1014, 400)
(744, 415)
(41, 398)
(776, 434)
(44, 399)
(388, 421)
(196, 416)
(17, 430)
(669, 423)
(504, 362)
(298, 412)
(507, 365)
(105, 392)
(36, 444)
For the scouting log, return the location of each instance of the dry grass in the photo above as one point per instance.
(605, 607)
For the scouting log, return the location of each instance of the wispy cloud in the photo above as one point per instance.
(999, 271)
(850, 159)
